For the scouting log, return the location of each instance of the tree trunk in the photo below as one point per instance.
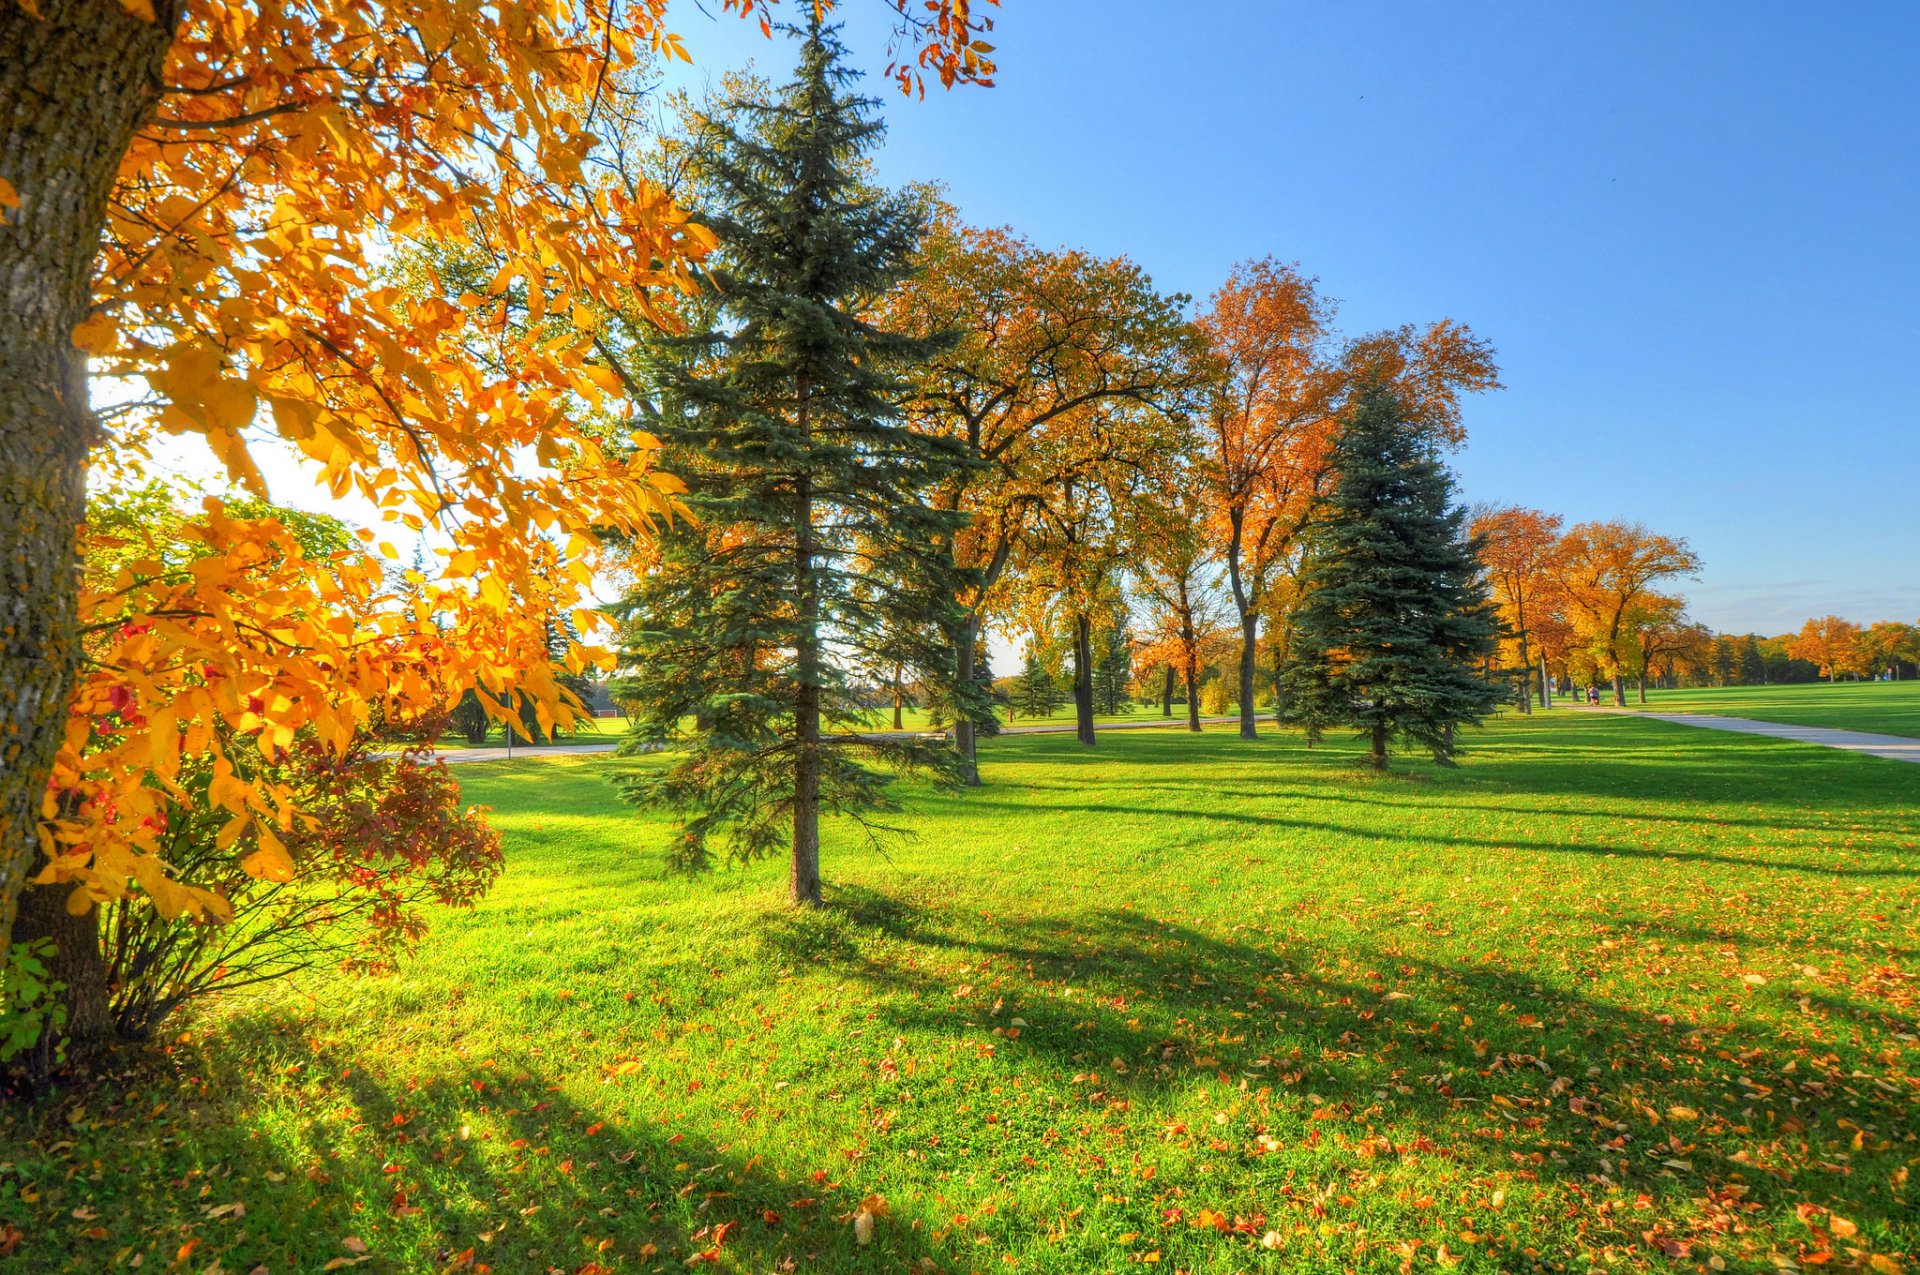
(1379, 746)
(78, 964)
(1249, 626)
(804, 882)
(1166, 693)
(1643, 688)
(1619, 690)
(1243, 607)
(75, 82)
(1193, 695)
(898, 700)
(1083, 678)
(963, 733)
(1546, 697)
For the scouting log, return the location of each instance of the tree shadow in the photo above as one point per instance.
(1394, 1062)
(486, 1164)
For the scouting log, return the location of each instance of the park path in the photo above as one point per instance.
(1892, 747)
(463, 756)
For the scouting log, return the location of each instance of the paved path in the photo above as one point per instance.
(1893, 747)
(461, 756)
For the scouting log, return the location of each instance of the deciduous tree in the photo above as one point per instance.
(1052, 346)
(1607, 568)
(1517, 546)
(190, 193)
(1830, 642)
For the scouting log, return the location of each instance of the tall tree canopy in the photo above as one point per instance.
(1062, 363)
(1395, 620)
(815, 553)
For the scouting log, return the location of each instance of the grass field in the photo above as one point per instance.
(613, 729)
(1888, 708)
(1614, 995)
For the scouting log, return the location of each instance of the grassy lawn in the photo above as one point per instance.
(1615, 995)
(613, 729)
(1889, 708)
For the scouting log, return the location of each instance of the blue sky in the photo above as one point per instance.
(1692, 231)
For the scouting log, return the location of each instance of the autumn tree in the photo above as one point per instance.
(810, 554)
(1517, 549)
(1890, 645)
(1394, 620)
(1176, 574)
(1829, 642)
(1606, 569)
(1267, 424)
(1051, 347)
(1658, 629)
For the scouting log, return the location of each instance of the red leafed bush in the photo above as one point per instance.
(380, 839)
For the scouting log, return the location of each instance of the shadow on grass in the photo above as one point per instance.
(1403, 1059)
(487, 1163)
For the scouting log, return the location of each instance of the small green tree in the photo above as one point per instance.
(1113, 670)
(1396, 624)
(1036, 691)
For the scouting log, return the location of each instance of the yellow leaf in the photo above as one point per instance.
(270, 862)
(96, 333)
(141, 9)
(9, 197)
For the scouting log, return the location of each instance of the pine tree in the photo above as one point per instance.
(1395, 623)
(1036, 691)
(1113, 670)
(747, 637)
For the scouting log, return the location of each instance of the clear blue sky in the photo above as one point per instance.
(1692, 231)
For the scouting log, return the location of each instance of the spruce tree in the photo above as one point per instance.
(1036, 691)
(809, 563)
(1395, 623)
(1113, 670)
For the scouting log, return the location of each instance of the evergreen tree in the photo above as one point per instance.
(1036, 691)
(1113, 671)
(747, 634)
(1395, 624)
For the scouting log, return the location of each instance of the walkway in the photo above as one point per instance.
(523, 752)
(1892, 747)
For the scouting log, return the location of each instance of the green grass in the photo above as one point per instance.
(1615, 995)
(613, 729)
(1888, 708)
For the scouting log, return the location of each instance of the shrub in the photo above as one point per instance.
(382, 838)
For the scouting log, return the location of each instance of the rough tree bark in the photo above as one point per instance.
(1166, 693)
(75, 83)
(963, 730)
(1083, 678)
(1249, 621)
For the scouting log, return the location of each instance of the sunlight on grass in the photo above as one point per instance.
(1614, 992)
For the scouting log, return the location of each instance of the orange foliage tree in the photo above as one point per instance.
(1517, 547)
(1606, 570)
(1176, 573)
(1830, 642)
(1053, 348)
(1267, 429)
(193, 194)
